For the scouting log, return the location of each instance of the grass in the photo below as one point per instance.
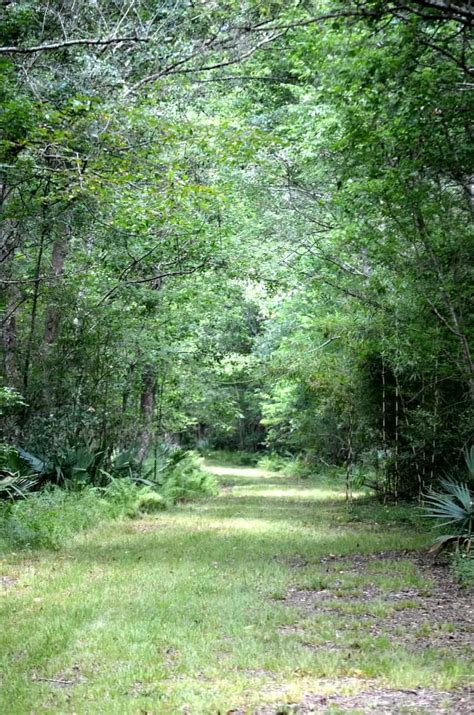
(52, 517)
(463, 566)
(184, 611)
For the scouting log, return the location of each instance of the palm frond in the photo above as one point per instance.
(16, 486)
(469, 457)
(453, 506)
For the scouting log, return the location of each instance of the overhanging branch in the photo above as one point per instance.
(71, 43)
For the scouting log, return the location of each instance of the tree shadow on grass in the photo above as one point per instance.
(205, 547)
(240, 531)
(247, 482)
(235, 541)
(282, 482)
(272, 507)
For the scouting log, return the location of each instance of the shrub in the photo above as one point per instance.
(469, 458)
(50, 517)
(73, 467)
(151, 502)
(9, 399)
(15, 486)
(273, 462)
(16, 478)
(120, 497)
(188, 480)
(302, 466)
(452, 507)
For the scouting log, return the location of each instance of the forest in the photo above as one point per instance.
(236, 284)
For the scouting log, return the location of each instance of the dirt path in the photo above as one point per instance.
(269, 598)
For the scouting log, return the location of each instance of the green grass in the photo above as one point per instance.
(463, 566)
(184, 609)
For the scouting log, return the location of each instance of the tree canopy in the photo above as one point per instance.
(240, 225)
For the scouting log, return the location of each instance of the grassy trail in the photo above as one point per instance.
(267, 594)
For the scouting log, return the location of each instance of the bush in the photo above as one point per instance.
(188, 480)
(120, 498)
(73, 467)
(273, 462)
(50, 517)
(452, 507)
(301, 466)
(150, 503)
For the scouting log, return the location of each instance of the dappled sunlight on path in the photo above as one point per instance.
(262, 484)
(253, 472)
(263, 595)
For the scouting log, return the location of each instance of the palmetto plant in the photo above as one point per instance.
(15, 486)
(453, 507)
(469, 457)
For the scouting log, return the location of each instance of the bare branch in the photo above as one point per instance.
(443, 319)
(71, 43)
(152, 279)
(173, 69)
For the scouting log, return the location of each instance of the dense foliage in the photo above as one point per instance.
(238, 226)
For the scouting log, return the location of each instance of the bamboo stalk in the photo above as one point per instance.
(397, 437)
(349, 465)
(384, 428)
(435, 423)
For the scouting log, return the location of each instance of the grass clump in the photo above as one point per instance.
(48, 519)
(273, 462)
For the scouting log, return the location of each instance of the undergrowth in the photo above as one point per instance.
(49, 518)
(188, 480)
(236, 459)
(463, 567)
(300, 466)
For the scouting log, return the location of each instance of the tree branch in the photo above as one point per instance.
(151, 279)
(70, 43)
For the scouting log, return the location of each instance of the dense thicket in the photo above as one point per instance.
(241, 226)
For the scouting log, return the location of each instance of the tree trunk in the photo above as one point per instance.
(34, 312)
(147, 409)
(350, 458)
(9, 339)
(53, 314)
